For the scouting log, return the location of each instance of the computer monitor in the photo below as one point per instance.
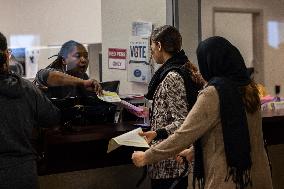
(112, 86)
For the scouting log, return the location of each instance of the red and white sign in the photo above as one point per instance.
(117, 58)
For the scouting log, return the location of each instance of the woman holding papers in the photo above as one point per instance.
(173, 89)
(224, 125)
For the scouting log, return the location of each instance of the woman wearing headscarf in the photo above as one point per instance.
(225, 125)
(173, 89)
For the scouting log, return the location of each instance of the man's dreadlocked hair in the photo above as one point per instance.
(66, 48)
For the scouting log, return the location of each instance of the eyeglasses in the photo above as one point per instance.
(9, 52)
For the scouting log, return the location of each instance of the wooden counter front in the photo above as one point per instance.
(273, 127)
(86, 133)
(83, 149)
(86, 148)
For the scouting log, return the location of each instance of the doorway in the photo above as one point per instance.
(242, 28)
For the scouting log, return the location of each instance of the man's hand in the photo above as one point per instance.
(93, 85)
(138, 158)
(149, 135)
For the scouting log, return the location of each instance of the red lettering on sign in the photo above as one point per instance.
(117, 53)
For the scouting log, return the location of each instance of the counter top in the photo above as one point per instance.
(87, 133)
(86, 148)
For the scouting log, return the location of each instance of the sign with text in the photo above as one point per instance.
(142, 28)
(139, 50)
(138, 67)
(117, 58)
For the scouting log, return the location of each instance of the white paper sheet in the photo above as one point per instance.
(131, 138)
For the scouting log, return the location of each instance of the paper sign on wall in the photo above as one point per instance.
(142, 29)
(138, 68)
(32, 56)
(139, 50)
(117, 58)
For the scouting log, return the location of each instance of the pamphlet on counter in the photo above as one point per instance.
(109, 97)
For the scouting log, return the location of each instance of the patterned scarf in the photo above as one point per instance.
(175, 62)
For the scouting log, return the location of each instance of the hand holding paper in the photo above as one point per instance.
(131, 138)
(108, 96)
(113, 97)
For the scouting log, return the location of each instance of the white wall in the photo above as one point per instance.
(229, 26)
(54, 21)
(273, 68)
(188, 27)
(117, 16)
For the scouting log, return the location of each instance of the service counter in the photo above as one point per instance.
(273, 127)
(86, 148)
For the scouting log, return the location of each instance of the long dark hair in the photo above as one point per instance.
(171, 41)
(169, 37)
(195, 74)
(250, 96)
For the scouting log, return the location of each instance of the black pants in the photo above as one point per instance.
(22, 176)
(167, 183)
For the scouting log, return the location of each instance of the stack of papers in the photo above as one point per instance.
(113, 97)
(134, 109)
(131, 138)
(273, 106)
(109, 97)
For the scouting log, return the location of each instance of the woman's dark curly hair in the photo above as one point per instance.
(169, 37)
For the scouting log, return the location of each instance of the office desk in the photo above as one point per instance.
(273, 127)
(84, 149)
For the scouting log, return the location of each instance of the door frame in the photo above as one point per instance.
(257, 37)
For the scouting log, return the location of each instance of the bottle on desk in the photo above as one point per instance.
(277, 93)
(147, 111)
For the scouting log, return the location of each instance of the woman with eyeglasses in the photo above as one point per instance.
(23, 107)
(67, 72)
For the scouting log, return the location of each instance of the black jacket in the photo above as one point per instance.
(22, 107)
